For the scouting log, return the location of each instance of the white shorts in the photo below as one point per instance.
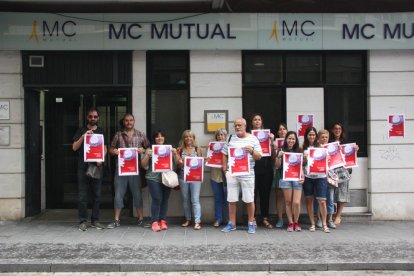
(233, 188)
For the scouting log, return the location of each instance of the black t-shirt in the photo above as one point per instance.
(76, 137)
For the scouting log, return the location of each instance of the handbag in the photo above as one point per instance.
(93, 171)
(332, 179)
(170, 179)
(343, 174)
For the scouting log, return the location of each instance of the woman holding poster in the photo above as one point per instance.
(315, 185)
(292, 190)
(342, 194)
(159, 192)
(187, 147)
(263, 168)
(221, 207)
(281, 134)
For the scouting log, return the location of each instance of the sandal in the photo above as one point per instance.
(197, 226)
(186, 223)
(326, 229)
(267, 224)
(312, 228)
(338, 220)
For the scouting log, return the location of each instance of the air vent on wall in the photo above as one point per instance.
(36, 61)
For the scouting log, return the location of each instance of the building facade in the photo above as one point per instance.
(168, 69)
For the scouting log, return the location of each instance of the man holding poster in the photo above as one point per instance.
(249, 144)
(129, 137)
(85, 182)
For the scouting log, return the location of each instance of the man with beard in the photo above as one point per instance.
(86, 183)
(248, 144)
(129, 137)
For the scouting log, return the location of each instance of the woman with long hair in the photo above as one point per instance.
(281, 133)
(159, 193)
(187, 147)
(292, 190)
(263, 173)
(315, 186)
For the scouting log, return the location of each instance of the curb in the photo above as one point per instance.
(18, 267)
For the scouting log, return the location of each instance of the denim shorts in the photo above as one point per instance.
(315, 187)
(295, 185)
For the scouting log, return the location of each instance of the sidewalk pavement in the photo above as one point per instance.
(44, 245)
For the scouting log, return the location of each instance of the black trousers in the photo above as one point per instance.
(263, 187)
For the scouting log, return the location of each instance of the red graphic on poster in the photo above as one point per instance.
(292, 165)
(350, 155)
(161, 158)
(215, 155)
(317, 161)
(304, 121)
(128, 161)
(279, 143)
(263, 136)
(336, 159)
(193, 169)
(94, 148)
(238, 161)
(396, 124)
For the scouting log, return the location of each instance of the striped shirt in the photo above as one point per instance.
(137, 140)
(249, 140)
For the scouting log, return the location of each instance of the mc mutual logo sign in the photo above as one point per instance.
(52, 31)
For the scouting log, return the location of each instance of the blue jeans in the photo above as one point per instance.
(191, 195)
(121, 184)
(221, 205)
(315, 187)
(86, 185)
(330, 204)
(159, 194)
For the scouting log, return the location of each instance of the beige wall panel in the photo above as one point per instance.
(392, 180)
(394, 206)
(391, 156)
(16, 135)
(12, 160)
(12, 185)
(391, 83)
(11, 208)
(215, 61)
(10, 62)
(216, 85)
(391, 60)
(139, 89)
(379, 133)
(10, 86)
(380, 107)
(197, 107)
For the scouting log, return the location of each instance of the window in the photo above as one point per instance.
(168, 93)
(342, 74)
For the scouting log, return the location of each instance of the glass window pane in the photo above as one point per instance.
(270, 102)
(262, 68)
(164, 103)
(303, 68)
(344, 68)
(347, 105)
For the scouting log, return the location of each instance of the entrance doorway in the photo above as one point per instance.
(65, 112)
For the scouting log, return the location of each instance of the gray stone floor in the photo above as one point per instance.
(47, 245)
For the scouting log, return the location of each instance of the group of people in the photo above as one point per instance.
(265, 173)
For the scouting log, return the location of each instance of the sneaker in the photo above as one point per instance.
(331, 224)
(83, 226)
(163, 224)
(319, 223)
(229, 227)
(279, 223)
(290, 227)
(251, 228)
(155, 226)
(97, 225)
(114, 224)
(297, 227)
(140, 222)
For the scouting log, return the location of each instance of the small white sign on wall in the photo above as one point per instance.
(5, 110)
(4, 135)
